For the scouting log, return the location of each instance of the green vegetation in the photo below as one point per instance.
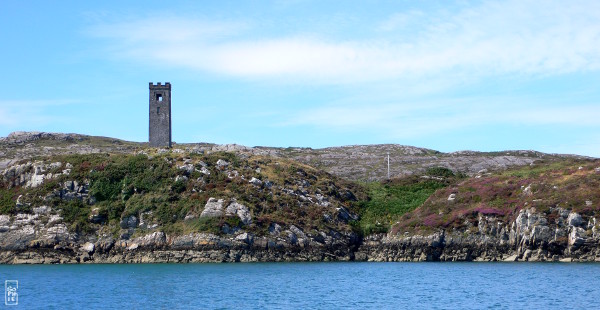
(76, 214)
(439, 172)
(388, 201)
(542, 167)
(7, 204)
(122, 185)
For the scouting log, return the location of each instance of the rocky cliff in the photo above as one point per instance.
(561, 235)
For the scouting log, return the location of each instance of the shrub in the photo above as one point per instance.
(388, 202)
(439, 172)
(76, 213)
(431, 220)
(488, 211)
(179, 187)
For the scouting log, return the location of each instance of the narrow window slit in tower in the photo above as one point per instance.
(157, 110)
(159, 97)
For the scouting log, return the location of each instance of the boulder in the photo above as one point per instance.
(154, 240)
(222, 164)
(42, 210)
(95, 216)
(291, 237)
(255, 181)
(88, 247)
(187, 168)
(54, 219)
(181, 178)
(241, 211)
(190, 216)
(245, 237)
(527, 190)
(274, 229)
(232, 174)
(213, 208)
(574, 219)
(297, 232)
(512, 258)
(4, 219)
(345, 215)
(129, 222)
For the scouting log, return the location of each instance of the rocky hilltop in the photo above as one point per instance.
(356, 162)
(68, 198)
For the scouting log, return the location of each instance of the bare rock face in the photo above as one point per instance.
(29, 174)
(574, 219)
(576, 238)
(88, 247)
(241, 211)
(530, 237)
(154, 240)
(213, 208)
(255, 182)
(18, 238)
(96, 217)
(221, 164)
(18, 137)
(366, 162)
(129, 222)
(25, 145)
(31, 231)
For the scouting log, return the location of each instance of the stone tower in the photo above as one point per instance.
(160, 115)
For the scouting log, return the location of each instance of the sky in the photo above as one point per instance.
(445, 75)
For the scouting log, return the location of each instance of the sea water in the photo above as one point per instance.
(307, 286)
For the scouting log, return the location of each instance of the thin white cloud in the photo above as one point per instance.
(402, 121)
(509, 37)
(18, 113)
(164, 30)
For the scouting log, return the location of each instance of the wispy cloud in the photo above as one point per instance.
(508, 37)
(419, 119)
(18, 113)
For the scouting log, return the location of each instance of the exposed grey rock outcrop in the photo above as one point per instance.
(354, 162)
(241, 211)
(129, 222)
(530, 237)
(213, 208)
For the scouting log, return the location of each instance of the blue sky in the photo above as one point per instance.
(447, 75)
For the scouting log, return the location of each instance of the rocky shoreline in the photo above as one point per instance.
(528, 238)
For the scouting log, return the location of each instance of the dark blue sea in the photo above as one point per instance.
(307, 286)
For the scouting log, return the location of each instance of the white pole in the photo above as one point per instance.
(388, 159)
